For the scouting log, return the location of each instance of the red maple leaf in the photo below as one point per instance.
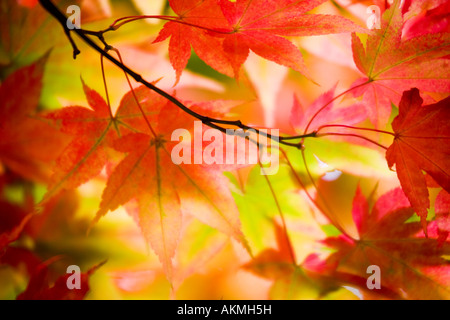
(300, 115)
(13, 220)
(28, 144)
(442, 209)
(429, 21)
(223, 32)
(392, 65)
(421, 142)
(191, 27)
(313, 278)
(407, 260)
(28, 3)
(260, 26)
(40, 288)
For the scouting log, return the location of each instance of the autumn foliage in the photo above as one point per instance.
(87, 175)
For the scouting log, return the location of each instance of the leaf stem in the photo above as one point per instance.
(106, 87)
(114, 26)
(331, 101)
(355, 128)
(135, 97)
(352, 135)
(308, 135)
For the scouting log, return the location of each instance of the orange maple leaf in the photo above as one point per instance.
(162, 191)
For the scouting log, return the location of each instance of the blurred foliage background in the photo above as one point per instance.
(210, 265)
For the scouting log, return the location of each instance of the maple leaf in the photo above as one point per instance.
(258, 25)
(17, 220)
(312, 279)
(24, 42)
(300, 116)
(39, 285)
(198, 247)
(290, 280)
(430, 21)
(28, 145)
(93, 130)
(223, 40)
(28, 3)
(194, 17)
(420, 143)
(329, 280)
(279, 265)
(442, 209)
(407, 260)
(274, 263)
(164, 191)
(51, 225)
(392, 65)
(415, 8)
(18, 258)
(13, 220)
(361, 159)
